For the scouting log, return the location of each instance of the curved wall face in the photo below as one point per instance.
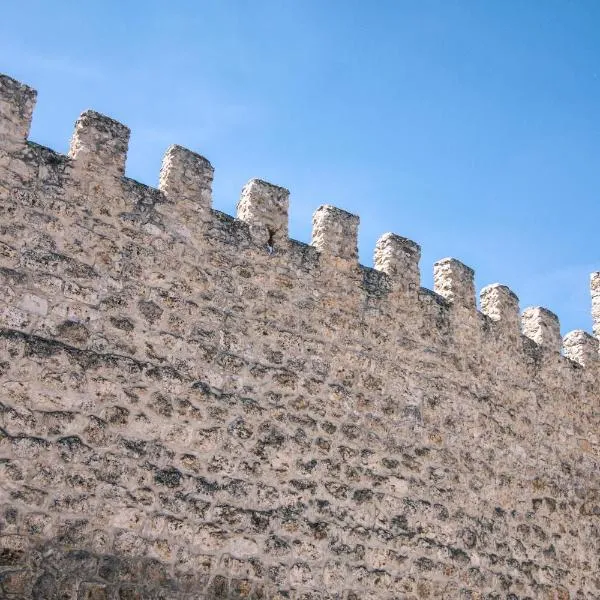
(195, 406)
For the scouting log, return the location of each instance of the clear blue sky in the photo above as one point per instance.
(472, 127)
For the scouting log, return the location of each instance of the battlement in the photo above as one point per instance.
(16, 110)
(98, 150)
(99, 145)
(258, 388)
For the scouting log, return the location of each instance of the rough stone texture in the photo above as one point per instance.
(99, 143)
(501, 305)
(455, 281)
(542, 326)
(16, 108)
(335, 233)
(187, 412)
(399, 258)
(581, 347)
(186, 176)
(265, 207)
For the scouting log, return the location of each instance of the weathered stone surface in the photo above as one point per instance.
(195, 406)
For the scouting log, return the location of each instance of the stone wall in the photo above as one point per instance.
(196, 406)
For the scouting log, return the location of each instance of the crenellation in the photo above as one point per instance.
(581, 347)
(454, 281)
(99, 145)
(17, 102)
(195, 405)
(335, 232)
(501, 305)
(399, 257)
(541, 325)
(187, 177)
(265, 208)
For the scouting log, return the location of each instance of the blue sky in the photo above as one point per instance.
(472, 127)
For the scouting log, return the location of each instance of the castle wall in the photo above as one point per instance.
(196, 406)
